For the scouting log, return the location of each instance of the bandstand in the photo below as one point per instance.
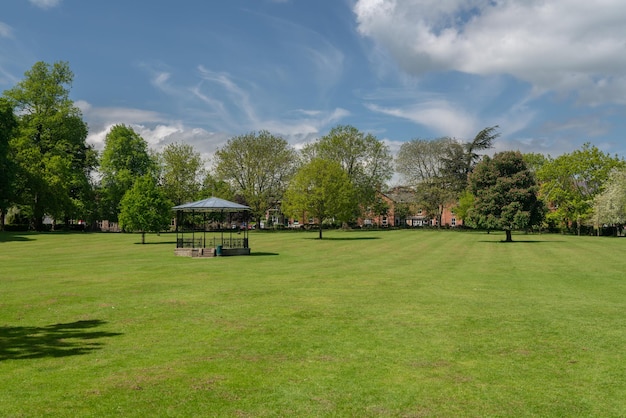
(212, 227)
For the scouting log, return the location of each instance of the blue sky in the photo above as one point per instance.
(551, 74)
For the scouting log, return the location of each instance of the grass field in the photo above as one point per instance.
(360, 324)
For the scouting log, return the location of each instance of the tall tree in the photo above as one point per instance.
(459, 158)
(481, 142)
(505, 194)
(8, 123)
(454, 166)
(125, 158)
(321, 189)
(570, 182)
(55, 161)
(259, 167)
(421, 163)
(535, 161)
(609, 206)
(182, 173)
(366, 160)
(211, 186)
(145, 208)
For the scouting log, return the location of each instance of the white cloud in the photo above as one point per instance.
(558, 45)
(299, 128)
(119, 115)
(159, 136)
(438, 115)
(6, 31)
(45, 4)
(160, 80)
(101, 119)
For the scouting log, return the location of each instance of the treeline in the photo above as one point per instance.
(581, 191)
(47, 169)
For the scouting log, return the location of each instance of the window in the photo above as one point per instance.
(453, 221)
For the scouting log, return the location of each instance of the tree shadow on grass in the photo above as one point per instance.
(343, 238)
(520, 241)
(173, 243)
(261, 254)
(13, 237)
(58, 340)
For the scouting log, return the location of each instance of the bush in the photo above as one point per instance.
(16, 227)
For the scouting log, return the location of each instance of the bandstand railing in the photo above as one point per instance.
(211, 242)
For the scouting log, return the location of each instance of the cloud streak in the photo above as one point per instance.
(45, 4)
(6, 31)
(438, 115)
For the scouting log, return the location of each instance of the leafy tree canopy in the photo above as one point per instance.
(320, 189)
(366, 160)
(609, 206)
(183, 170)
(211, 186)
(50, 149)
(145, 208)
(125, 158)
(481, 142)
(8, 123)
(505, 194)
(423, 164)
(570, 182)
(258, 166)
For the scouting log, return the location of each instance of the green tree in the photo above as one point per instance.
(459, 159)
(379, 207)
(401, 211)
(258, 167)
(182, 173)
(454, 168)
(125, 158)
(8, 123)
(421, 163)
(366, 160)
(320, 189)
(145, 208)
(505, 194)
(481, 142)
(211, 186)
(570, 182)
(466, 201)
(536, 161)
(609, 206)
(54, 160)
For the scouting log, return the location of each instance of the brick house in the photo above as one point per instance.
(403, 211)
(396, 208)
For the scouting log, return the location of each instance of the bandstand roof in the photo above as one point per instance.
(212, 204)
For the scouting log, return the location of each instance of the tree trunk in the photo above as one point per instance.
(320, 230)
(509, 237)
(143, 237)
(439, 216)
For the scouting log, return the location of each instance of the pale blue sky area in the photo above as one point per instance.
(552, 74)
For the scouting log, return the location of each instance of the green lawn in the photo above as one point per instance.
(360, 324)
